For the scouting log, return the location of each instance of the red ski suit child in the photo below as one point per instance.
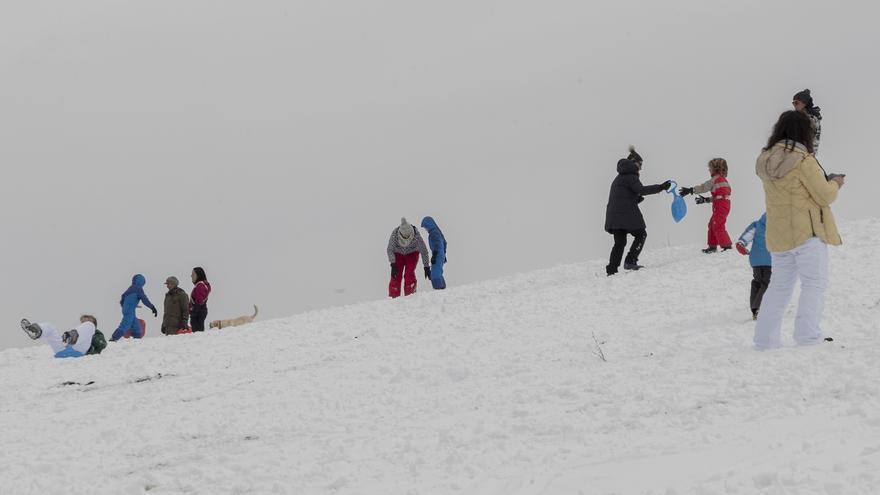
(719, 188)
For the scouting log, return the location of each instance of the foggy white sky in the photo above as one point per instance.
(277, 143)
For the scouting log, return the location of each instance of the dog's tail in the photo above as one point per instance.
(256, 310)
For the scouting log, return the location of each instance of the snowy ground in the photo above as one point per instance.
(492, 388)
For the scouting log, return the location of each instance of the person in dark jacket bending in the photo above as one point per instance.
(623, 217)
(404, 247)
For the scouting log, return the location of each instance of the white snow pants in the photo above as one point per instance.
(53, 337)
(809, 262)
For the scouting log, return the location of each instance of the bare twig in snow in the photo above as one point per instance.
(598, 351)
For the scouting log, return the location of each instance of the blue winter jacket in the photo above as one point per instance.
(135, 294)
(755, 234)
(437, 243)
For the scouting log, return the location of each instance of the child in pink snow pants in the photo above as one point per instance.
(404, 248)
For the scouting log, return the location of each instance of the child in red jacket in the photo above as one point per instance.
(719, 189)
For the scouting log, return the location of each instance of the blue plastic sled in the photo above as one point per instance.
(679, 206)
(68, 352)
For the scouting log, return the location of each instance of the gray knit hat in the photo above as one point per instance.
(405, 233)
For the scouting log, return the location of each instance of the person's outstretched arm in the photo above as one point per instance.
(146, 300)
(749, 234)
(635, 185)
(705, 187)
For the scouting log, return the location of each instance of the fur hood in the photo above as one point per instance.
(779, 160)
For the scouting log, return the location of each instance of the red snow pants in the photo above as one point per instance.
(406, 269)
(718, 235)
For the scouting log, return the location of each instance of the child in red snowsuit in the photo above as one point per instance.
(719, 189)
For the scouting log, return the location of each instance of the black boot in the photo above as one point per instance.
(710, 249)
(31, 329)
(629, 265)
(726, 248)
(70, 337)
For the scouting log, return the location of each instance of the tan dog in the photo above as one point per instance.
(241, 320)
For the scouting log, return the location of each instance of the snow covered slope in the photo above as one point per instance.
(492, 388)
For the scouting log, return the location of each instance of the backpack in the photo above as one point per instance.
(98, 343)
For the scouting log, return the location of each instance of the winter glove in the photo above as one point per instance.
(434, 257)
(394, 270)
(427, 272)
(666, 185)
(155, 313)
(702, 199)
(684, 191)
(741, 248)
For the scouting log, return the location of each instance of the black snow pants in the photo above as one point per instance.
(760, 282)
(197, 316)
(620, 244)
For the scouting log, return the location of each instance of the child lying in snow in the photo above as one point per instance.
(82, 340)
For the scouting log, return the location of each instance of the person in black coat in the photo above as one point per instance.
(623, 217)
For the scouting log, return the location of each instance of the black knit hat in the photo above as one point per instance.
(633, 155)
(804, 97)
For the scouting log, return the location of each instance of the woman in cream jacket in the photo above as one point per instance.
(800, 226)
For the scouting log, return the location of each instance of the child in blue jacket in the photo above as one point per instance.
(129, 301)
(437, 244)
(759, 258)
